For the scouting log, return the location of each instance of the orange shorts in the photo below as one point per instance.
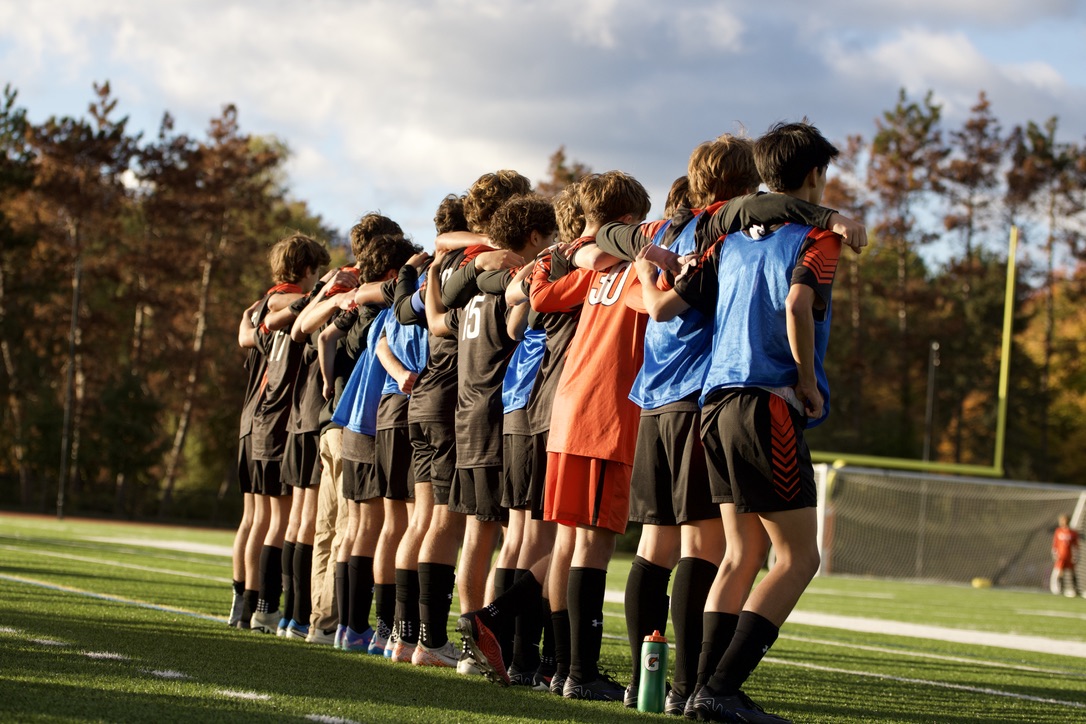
(587, 491)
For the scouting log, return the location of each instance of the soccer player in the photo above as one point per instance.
(1064, 548)
(770, 298)
(296, 263)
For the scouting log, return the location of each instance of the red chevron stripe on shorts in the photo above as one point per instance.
(784, 461)
(821, 264)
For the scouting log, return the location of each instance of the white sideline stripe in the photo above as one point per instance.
(169, 674)
(115, 564)
(209, 549)
(325, 719)
(1054, 614)
(128, 550)
(926, 682)
(104, 656)
(1018, 642)
(929, 655)
(249, 695)
(112, 599)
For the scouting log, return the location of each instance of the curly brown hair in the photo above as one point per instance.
(368, 228)
(570, 214)
(488, 193)
(511, 225)
(384, 253)
(450, 215)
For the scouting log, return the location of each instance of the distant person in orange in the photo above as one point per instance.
(1064, 547)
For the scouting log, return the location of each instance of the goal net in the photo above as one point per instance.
(896, 524)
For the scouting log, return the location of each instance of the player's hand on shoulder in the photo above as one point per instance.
(498, 259)
(852, 232)
(344, 279)
(418, 260)
(661, 258)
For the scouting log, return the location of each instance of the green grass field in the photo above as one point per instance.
(102, 622)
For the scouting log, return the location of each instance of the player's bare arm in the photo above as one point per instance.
(326, 357)
(405, 378)
(800, 319)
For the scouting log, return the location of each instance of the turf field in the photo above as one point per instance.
(120, 622)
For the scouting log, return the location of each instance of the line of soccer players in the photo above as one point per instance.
(553, 371)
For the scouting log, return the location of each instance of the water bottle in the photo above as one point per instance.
(650, 694)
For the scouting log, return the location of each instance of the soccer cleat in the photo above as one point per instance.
(297, 630)
(379, 642)
(237, 611)
(354, 641)
(445, 656)
(484, 647)
(318, 636)
(281, 629)
(265, 622)
(737, 707)
(558, 684)
(675, 703)
(602, 688)
(629, 698)
(390, 644)
(402, 652)
(338, 641)
(531, 679)
(466, 666)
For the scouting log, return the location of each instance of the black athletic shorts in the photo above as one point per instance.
(758, 458)
(268, 478)
(302, 460)
(245, 464)
(538, 484)
(395, 477)
(359, 452)
(434, 458)
(477, 491)
(517, 458)
(670, 481)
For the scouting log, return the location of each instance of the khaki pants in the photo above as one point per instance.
(330, 529)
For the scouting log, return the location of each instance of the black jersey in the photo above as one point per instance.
(433, 398)
(282, 358)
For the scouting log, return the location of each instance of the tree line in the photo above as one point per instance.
(125, 261)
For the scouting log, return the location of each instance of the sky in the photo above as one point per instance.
(390, 106)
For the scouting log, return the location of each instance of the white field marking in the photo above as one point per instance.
(209, 549)
(325, 719)
(115, 564)
(248, 695)
(92, 544)
(104, 656)
(168, 674)
(1018, 642)
(926, 682)
(1054, 614)
(9, 630)
(849, 594)
(111, 599)
(49, 642)
(937, 657)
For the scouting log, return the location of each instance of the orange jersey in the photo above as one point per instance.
(593, 416)
(1064, 543)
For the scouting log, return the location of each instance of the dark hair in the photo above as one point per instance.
(790, 151)
(678, 196)
(488, 193)
(450, 215)
(512, 224)
(384, 253)
(611, 195)
(368, 228)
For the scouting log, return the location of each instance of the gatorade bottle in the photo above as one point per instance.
(650, 695)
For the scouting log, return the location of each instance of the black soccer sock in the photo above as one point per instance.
(753, 637)
(343, 592)
(586, 590)
(717, 632)
(252, 599)
(560, 627)
(360, 574)
(693, 579)
(271, 579)
(384, 596)
(239, 588)
(547, 657)
(528, 626)
(436, 581)
(288, 579)
(303, 583)
(407, 605)
(646, 607)
(504, 578)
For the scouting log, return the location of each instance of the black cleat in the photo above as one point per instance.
(737, 707)
(675, 703)
(602, 688)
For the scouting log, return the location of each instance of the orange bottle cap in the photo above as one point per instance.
(656, 637)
